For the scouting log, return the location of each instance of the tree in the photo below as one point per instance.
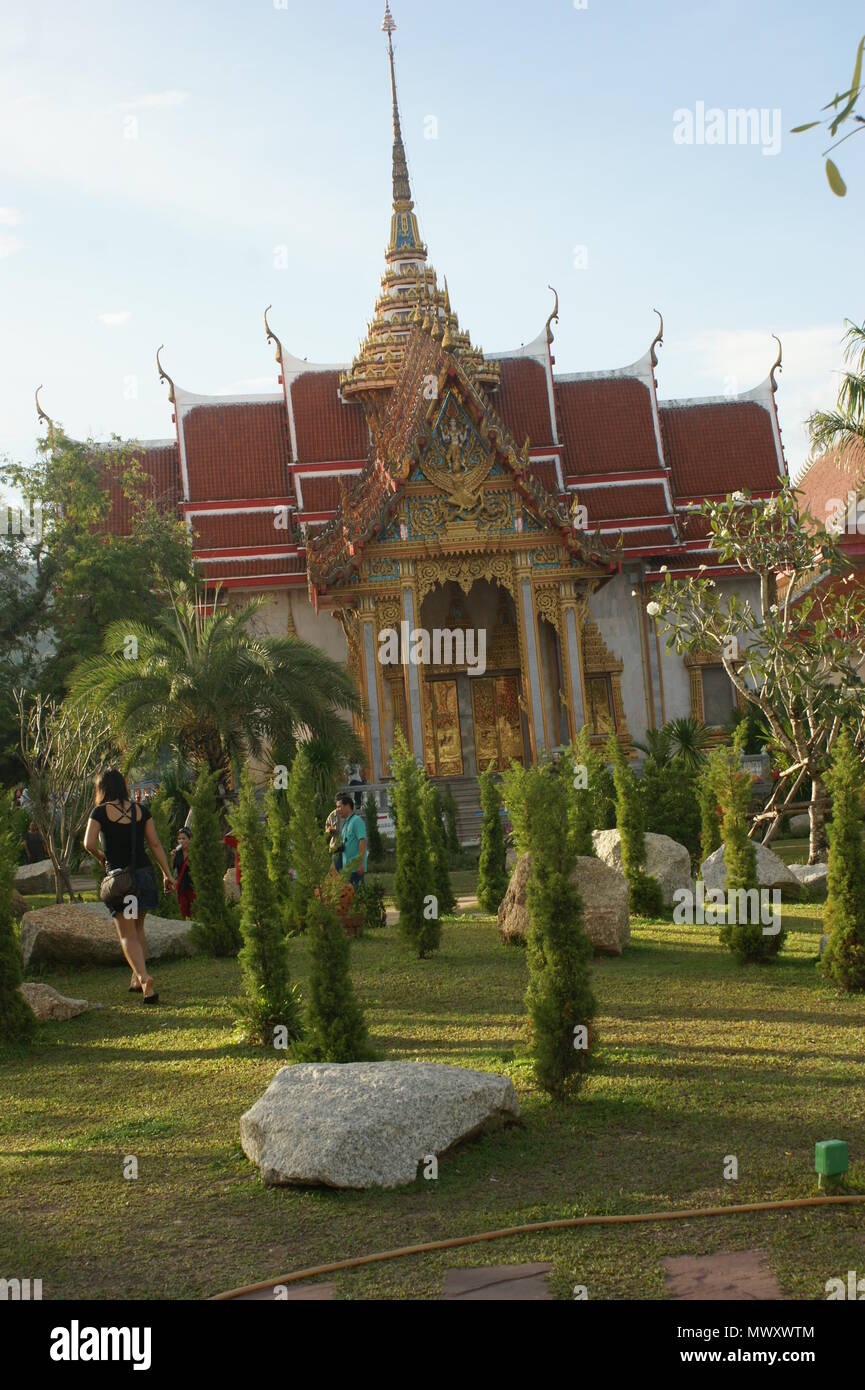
(277, 813)
(843, 428)
(710, 820)
(312, 862)
(645, 890)
(270, 1002)
(449, 811)
(17, 1020)
(160, 810)
(559, 998)
(66, 575)
(414, 884)
(844, 957)
(201, 682)
(733, 787)
(62, 749)
(844, 105)
(435, 833)
(796, 656)
(492, 864)
(335, 1027)
(580, 767)
(214, 928)
(374, 842)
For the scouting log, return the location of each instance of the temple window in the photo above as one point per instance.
(599, 701)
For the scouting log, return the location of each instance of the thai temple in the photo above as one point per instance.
(430, 485)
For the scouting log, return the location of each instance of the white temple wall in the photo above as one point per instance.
(618, 619)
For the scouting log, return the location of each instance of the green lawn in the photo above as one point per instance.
(698, 1058)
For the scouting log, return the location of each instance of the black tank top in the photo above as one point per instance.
(117, 837)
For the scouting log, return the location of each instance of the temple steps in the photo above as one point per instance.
(467, 798)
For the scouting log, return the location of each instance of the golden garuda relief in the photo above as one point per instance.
(457, 462)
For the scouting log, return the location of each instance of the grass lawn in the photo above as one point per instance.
(699, 1058)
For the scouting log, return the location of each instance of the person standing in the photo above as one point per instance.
(354, 851)
(34, 845)
(116, 819)
(333, 830)
(183, 873)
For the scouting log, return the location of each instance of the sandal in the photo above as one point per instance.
(135, 988)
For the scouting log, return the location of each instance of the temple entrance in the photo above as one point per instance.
(497, 722)
(473, 695)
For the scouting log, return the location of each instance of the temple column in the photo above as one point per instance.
(571, 657)
(529, 635)
(412, 675)
(372, 688)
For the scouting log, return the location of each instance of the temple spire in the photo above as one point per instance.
(402, 199)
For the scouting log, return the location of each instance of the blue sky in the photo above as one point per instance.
(259, 126)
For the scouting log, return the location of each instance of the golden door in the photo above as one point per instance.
(443, 753)
(498, 726)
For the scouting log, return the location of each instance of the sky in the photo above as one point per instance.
(168, 170)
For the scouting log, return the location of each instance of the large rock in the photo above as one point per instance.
(368, 1124)
(35, 878)
(84, 934)
(606, 905)
(232, 887)
(48, 1005)
(800, 825)
(772, 872)
(666, 860)
(19, 904)
(814, 877)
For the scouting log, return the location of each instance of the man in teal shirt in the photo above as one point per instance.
(354, 851)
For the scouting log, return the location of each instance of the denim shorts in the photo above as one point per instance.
(145, 891)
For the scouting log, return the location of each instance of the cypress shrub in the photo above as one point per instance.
(414, 881)
(559, 998)
(707, 798)
(438, 848)
(311, 856)
(371, 902)
(844, 957)
(277, 811)
(269, 999)
(215, 928)
(514, 792)
(449, 812)
(17, 1019)
(492, 865)
(646, 896)
(374, 842)
(578, 764)
(732, 787)
(335, 1029)
(160, 810)
(670, 800)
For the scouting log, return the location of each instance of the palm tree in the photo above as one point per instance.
(690, 740)
(202, 683)
(844, 428)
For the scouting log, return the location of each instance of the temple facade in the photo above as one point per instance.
(483, 499)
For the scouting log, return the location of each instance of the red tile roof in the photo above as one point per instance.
(161, 467)
(631, 500)
(523, 401)
(829, 479)
(606, 425)
(717, 447)
(321, 494)
(648, 540)
(327, 431)
(234, 568)
(219, 532)
(545, 471)
(236, 451)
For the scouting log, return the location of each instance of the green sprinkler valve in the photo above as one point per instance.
(831, 1160)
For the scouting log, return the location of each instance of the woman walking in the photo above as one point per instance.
(129, 883)
(183, 874)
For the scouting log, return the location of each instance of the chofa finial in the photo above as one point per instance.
(777, 364)
(40, 412)
(163, 375)
(658, 339)
(271, 336)
(554, 316)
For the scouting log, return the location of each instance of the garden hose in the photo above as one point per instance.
(564, 1223)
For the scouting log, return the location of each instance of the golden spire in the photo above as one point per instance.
(401, 186)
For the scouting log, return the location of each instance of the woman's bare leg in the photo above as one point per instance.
(146, 980)
(130, 944)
